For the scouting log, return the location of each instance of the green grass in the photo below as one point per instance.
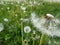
(11, 35)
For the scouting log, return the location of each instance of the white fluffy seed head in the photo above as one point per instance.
(27, 29)
(1, 27)
(48, 27)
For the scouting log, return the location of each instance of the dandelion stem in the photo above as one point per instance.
(33, 41)
(41, 40)
(27, 39)
(22, 32)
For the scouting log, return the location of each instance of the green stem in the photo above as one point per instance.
(33, 41)
(27, 39)
(22, 32)
(41, 40)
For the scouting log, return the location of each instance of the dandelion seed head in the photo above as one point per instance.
(1, 27)
(27, 29)
(48, 27)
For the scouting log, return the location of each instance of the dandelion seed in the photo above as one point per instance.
(5, 19)
(27, 29)
(1, 27)
(46, 25)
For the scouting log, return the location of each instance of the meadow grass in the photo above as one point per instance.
(12, 33)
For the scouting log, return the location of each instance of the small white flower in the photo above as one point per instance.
(1, 27)
(23, 8)
(27, 29)
(5, 19)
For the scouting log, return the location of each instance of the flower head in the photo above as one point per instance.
(48, 26)
(27, 29)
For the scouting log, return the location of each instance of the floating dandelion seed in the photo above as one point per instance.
(27, 29)
(47, 25)
(1, 27)
(5, 19)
